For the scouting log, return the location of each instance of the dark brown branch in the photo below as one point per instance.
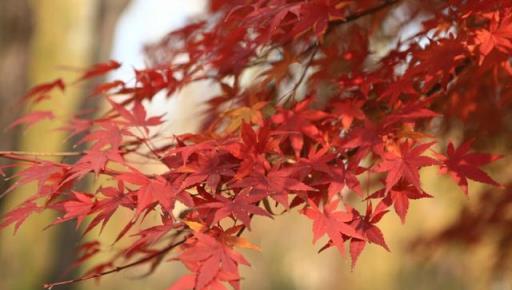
(117, 269)
(354, 17)
(358, 15)
(293, 91)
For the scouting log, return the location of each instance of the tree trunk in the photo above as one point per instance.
(68, 35)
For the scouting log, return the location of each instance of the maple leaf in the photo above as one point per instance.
(94, 160)
(149, 236)
(366, 228)
(363, 137)
(86, 251)
(99, 69)
(399, 197)
(242, 207)
(32, 118)
(356, 247)
(41, 92)
(186, 282)
(332, 223)
(151, 190)
(332, 174)
(107, 87)
(208, 167)
(445, 56)
(109, 136)
(498, 36)
(106, 207)
(407, 112)
(253, 145)
(18, 215)
(277, 183)
(398, 87)
(316, 15)
(317, 160)
(274, 16)
(241, 115)
(78, 208)
(349, 110)
(404, 162)
(76, 126)
(185, 151)
(137, 117)
(460, 164)
(299, 121)
(211, 260)
(252, 149)
(43, 173)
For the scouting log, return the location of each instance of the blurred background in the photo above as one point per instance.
(41, 40)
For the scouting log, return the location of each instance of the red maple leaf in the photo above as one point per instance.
(365, 226)
(32, 118)
(77, 208)
(108, 136)
(348, 110)
(299, 122)
(18, 215)
(460, 164)
(107, 206)
(252, 149)
(332, 223)
(404, 162)
(151, 190)
(108, 87)
(242, 207)
(41, 92)
(331, 171)
(316, 15)
(93, 161)
(399, 197)
(498, 36)
(211, 261)
(209, 167)
(43, 173)
(99, 69)
(277, 183)
(137, 117)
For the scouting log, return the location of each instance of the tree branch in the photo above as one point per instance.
(5, 154)
(358, 15)
(117, 269)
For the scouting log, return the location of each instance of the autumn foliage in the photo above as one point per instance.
(326, 107)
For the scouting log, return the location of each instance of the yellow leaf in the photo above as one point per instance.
(195, 226)
(244, 115)
(244, 243)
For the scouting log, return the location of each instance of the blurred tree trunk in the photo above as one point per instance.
(68, 35)
(108, 13)
(15, 32)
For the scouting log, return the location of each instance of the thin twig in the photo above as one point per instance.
(117, 269)
(354, 17)
(44, 154)
(293, 91)
(313, 49)
(358, 15)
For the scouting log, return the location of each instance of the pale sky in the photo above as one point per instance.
(145, 21)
